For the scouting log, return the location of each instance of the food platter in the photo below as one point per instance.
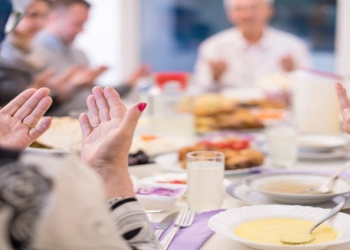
(170, 162)
(155, 144)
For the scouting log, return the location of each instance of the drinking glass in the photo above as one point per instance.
(168, 119)
(205, 180)
(282, 145)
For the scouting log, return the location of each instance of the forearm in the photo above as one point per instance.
(132, 223)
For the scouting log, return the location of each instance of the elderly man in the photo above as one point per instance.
(241, 56)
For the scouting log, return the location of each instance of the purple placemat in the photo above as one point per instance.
(193, 237)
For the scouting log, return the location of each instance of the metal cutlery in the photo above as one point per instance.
(306, 237)
(185, 219)
(154, 211)
(164, 224)
(327, 186)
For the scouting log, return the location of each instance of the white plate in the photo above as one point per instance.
(257, 181)
(320, 143)
(166, 178)
(245, 195)
(225, 223)
(47, 151)
(161, 179)
(330, 155)
(141, 171)
(163, 144)
(170, 162)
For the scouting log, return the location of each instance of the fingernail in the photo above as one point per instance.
(142, 107)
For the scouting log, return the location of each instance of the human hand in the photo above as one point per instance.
(19, 119)
(344, 106)
(60, 83)
(287, 63)
(86, 77)
(143, 71)
(42, 79)
(218, 69)
(107, 137)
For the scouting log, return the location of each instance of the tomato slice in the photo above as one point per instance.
(240, 145)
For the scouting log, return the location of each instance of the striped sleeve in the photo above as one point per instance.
(133, 224)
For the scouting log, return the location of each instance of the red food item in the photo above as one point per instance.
(173, 182)
(148, 137)
(236, 144)
(240, 145)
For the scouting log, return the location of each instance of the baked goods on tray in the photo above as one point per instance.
(214, 112)
(238, 153)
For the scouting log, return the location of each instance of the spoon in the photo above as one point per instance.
(327, 186)
(300, 238)
(154, 211)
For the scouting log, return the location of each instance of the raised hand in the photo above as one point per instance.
(218, 69)
(142, 71)
(107, 136)
(287, 63)
(86, 77)
(20, 123)
(42, 79)
(344, 105)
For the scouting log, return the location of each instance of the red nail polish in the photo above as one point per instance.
(142, 107)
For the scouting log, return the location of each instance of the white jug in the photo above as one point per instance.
(315, 104)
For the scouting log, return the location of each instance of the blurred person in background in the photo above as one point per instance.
(249, 52)
(21, 69)
(55, 44)
(18, 66)
(53, 201)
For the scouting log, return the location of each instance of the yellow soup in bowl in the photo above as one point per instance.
(270, 231)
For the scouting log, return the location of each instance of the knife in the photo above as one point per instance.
(164, 224)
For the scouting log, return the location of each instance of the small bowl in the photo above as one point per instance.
(159, 201)
(256, 182)
(226, 222)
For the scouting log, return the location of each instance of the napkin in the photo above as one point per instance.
(193, 237)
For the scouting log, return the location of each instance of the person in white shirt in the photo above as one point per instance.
(248, 52)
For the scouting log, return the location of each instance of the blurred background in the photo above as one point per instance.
(166, 34)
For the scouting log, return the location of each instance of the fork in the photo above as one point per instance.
(184, 219)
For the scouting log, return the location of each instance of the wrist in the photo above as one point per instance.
(117, 183)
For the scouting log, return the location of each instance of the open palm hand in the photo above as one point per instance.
(344, 105)
(19, 120)
(108, 130)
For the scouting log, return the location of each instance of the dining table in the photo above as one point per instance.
(218, 242)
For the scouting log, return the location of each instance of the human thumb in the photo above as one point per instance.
(131, 119)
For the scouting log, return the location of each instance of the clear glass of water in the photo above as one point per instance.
(205, 180)
(282, 145)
